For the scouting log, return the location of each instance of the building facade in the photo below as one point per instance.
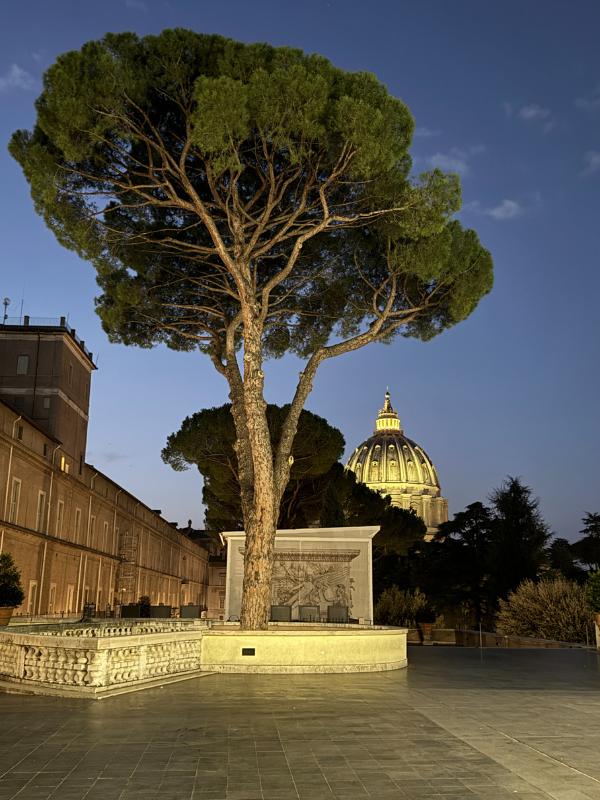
(391, 463)
(76, 535)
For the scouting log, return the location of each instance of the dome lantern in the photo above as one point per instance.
(387, 419)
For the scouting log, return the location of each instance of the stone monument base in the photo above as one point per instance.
(304, 648)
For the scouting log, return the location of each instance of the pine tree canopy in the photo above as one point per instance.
(201, 177)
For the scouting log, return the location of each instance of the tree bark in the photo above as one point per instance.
(261, 521)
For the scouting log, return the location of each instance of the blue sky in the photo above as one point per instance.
(505, 93)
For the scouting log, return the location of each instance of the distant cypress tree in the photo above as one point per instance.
(519, 537)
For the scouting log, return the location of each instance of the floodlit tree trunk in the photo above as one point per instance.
(258, 571)
(263, 505)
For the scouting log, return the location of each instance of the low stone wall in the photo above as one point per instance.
(304, 649)
(106, 659)
(99, 660)
(487, 639)
(438, 636)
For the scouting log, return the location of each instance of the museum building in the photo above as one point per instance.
(391, 463)
(75, 534)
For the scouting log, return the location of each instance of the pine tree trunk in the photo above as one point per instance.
(261, 521)
(258, 570)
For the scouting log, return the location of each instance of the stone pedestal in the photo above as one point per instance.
(314, 567)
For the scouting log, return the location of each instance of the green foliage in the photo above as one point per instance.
(11, 591)
(207, 440)
(482, 554)
(550, 609)
(520, 537)
(133, 135)
(587, 549)
(562, 560)
(592, 592)
(320, 490)
(399, 607)
(461, 561)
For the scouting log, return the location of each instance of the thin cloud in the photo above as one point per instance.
(533, 112)
(507, 209)
(426, 133)
(591, 161)
(16, 78)
(590, 102)
(456, 159)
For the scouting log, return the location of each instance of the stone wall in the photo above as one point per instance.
(487, 639)
(83, 538)
(102, 660)
(99, 661)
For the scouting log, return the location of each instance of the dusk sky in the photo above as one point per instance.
(505, 93)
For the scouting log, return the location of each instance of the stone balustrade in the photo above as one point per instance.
(99, 660)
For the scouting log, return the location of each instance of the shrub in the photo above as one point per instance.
(11, 591)
(551, 609)
(592, 591)
(399, 607)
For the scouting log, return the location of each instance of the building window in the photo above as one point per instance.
(22, 365)
(46, 402)
(60, 516)
(52, 599)
(221, 600)
(77, 524)
(15, 496)
(32, 597)
(70, 374)
(40, 522)
(70, 595)
(105, 537)
(20, 432)
(92, 531)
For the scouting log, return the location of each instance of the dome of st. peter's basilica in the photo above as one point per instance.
(391, 463)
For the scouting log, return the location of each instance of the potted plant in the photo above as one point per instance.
(425, 617)
(592, 594)
(11, 591)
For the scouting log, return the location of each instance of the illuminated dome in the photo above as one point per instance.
(391, 463)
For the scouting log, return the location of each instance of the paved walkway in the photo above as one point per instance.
(459, 723)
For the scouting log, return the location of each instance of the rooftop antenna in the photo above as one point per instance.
(5, 303)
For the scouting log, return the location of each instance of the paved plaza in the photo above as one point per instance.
(458, 723)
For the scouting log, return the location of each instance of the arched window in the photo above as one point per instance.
(426, 476)
(374, 470)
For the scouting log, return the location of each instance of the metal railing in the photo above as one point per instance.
(46, 322)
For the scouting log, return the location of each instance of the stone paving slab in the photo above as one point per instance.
(459, 723)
